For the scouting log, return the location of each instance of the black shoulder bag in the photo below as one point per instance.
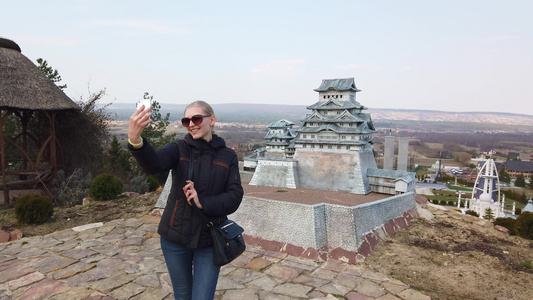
(228, 242)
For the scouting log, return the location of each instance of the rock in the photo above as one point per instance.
(502, 229)
(4, 236)
(15, 235)
(86, 201)
(471, 218)
(424, 213)
(131, 194)
(158, 212)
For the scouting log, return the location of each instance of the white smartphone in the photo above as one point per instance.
(145, 102)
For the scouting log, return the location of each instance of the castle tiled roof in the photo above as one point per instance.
(336, 104)
(393, 174)
(362, 128)
(281, 124)
(344, 84)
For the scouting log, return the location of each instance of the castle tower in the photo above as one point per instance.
(334, 145)
(388, 160)
(403, 152)
(279, 138)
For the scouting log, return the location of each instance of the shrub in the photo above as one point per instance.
(435, 201)
(451, 203)
(105, 187)
(472, 213)
(443, 202)
(524, 225)
(508, 223)
(138, 184)
(34, 209)
(153, 183)
(69, 191)
(518, 211)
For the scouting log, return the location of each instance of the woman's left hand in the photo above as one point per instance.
(191, 194)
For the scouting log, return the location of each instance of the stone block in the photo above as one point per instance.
(251, 240)
(311, 253)
(293, 250)
(343, 255)
(272, 245)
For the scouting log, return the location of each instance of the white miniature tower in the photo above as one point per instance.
(486, 191)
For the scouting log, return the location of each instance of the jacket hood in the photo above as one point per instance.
(216, 142)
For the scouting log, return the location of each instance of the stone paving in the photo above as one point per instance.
(122, 259)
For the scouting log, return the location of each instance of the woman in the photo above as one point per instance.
(215, 188)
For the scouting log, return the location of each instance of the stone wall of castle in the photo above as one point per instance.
(277, 173)
(340, 171)
(323, 227)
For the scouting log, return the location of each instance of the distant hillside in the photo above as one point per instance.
(229, 112)
(382, 117)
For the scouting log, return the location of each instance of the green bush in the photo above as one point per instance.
(451, 203)
(472, 213)
(518, 211)
(153, 183)
(34, 209)
(435, 201)
(508, 223)
(443, 202)
(524, 225)
(105, 187)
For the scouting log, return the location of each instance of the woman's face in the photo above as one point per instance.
(203, 130)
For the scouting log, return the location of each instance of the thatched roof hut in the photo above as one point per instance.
(24, 86)
(25, 92)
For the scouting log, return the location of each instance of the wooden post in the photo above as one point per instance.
(4, 175)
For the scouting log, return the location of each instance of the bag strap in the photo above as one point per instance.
(194, 207)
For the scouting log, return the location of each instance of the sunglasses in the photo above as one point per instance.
(196, 120)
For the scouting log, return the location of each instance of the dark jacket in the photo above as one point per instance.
(216, 179)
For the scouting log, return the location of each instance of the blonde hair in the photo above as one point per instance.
(206, 108)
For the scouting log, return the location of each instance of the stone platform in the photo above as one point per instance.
(122, 259)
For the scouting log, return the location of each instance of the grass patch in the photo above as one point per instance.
(526, 264)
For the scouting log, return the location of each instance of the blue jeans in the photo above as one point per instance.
(193, 273)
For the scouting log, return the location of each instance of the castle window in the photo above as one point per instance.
(341, 96)
(347, 147)
(321, 146)
(330, 147)
(312, 136)
(305, 146)
(305, 135)
(343, 137)
(324, 96)
(338, 146)
(338, 113)
(312, 146)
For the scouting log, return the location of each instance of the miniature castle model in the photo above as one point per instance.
(332, 150)
(486, 192)
(280, 138)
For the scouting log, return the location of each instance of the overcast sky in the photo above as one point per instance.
(425, 54)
